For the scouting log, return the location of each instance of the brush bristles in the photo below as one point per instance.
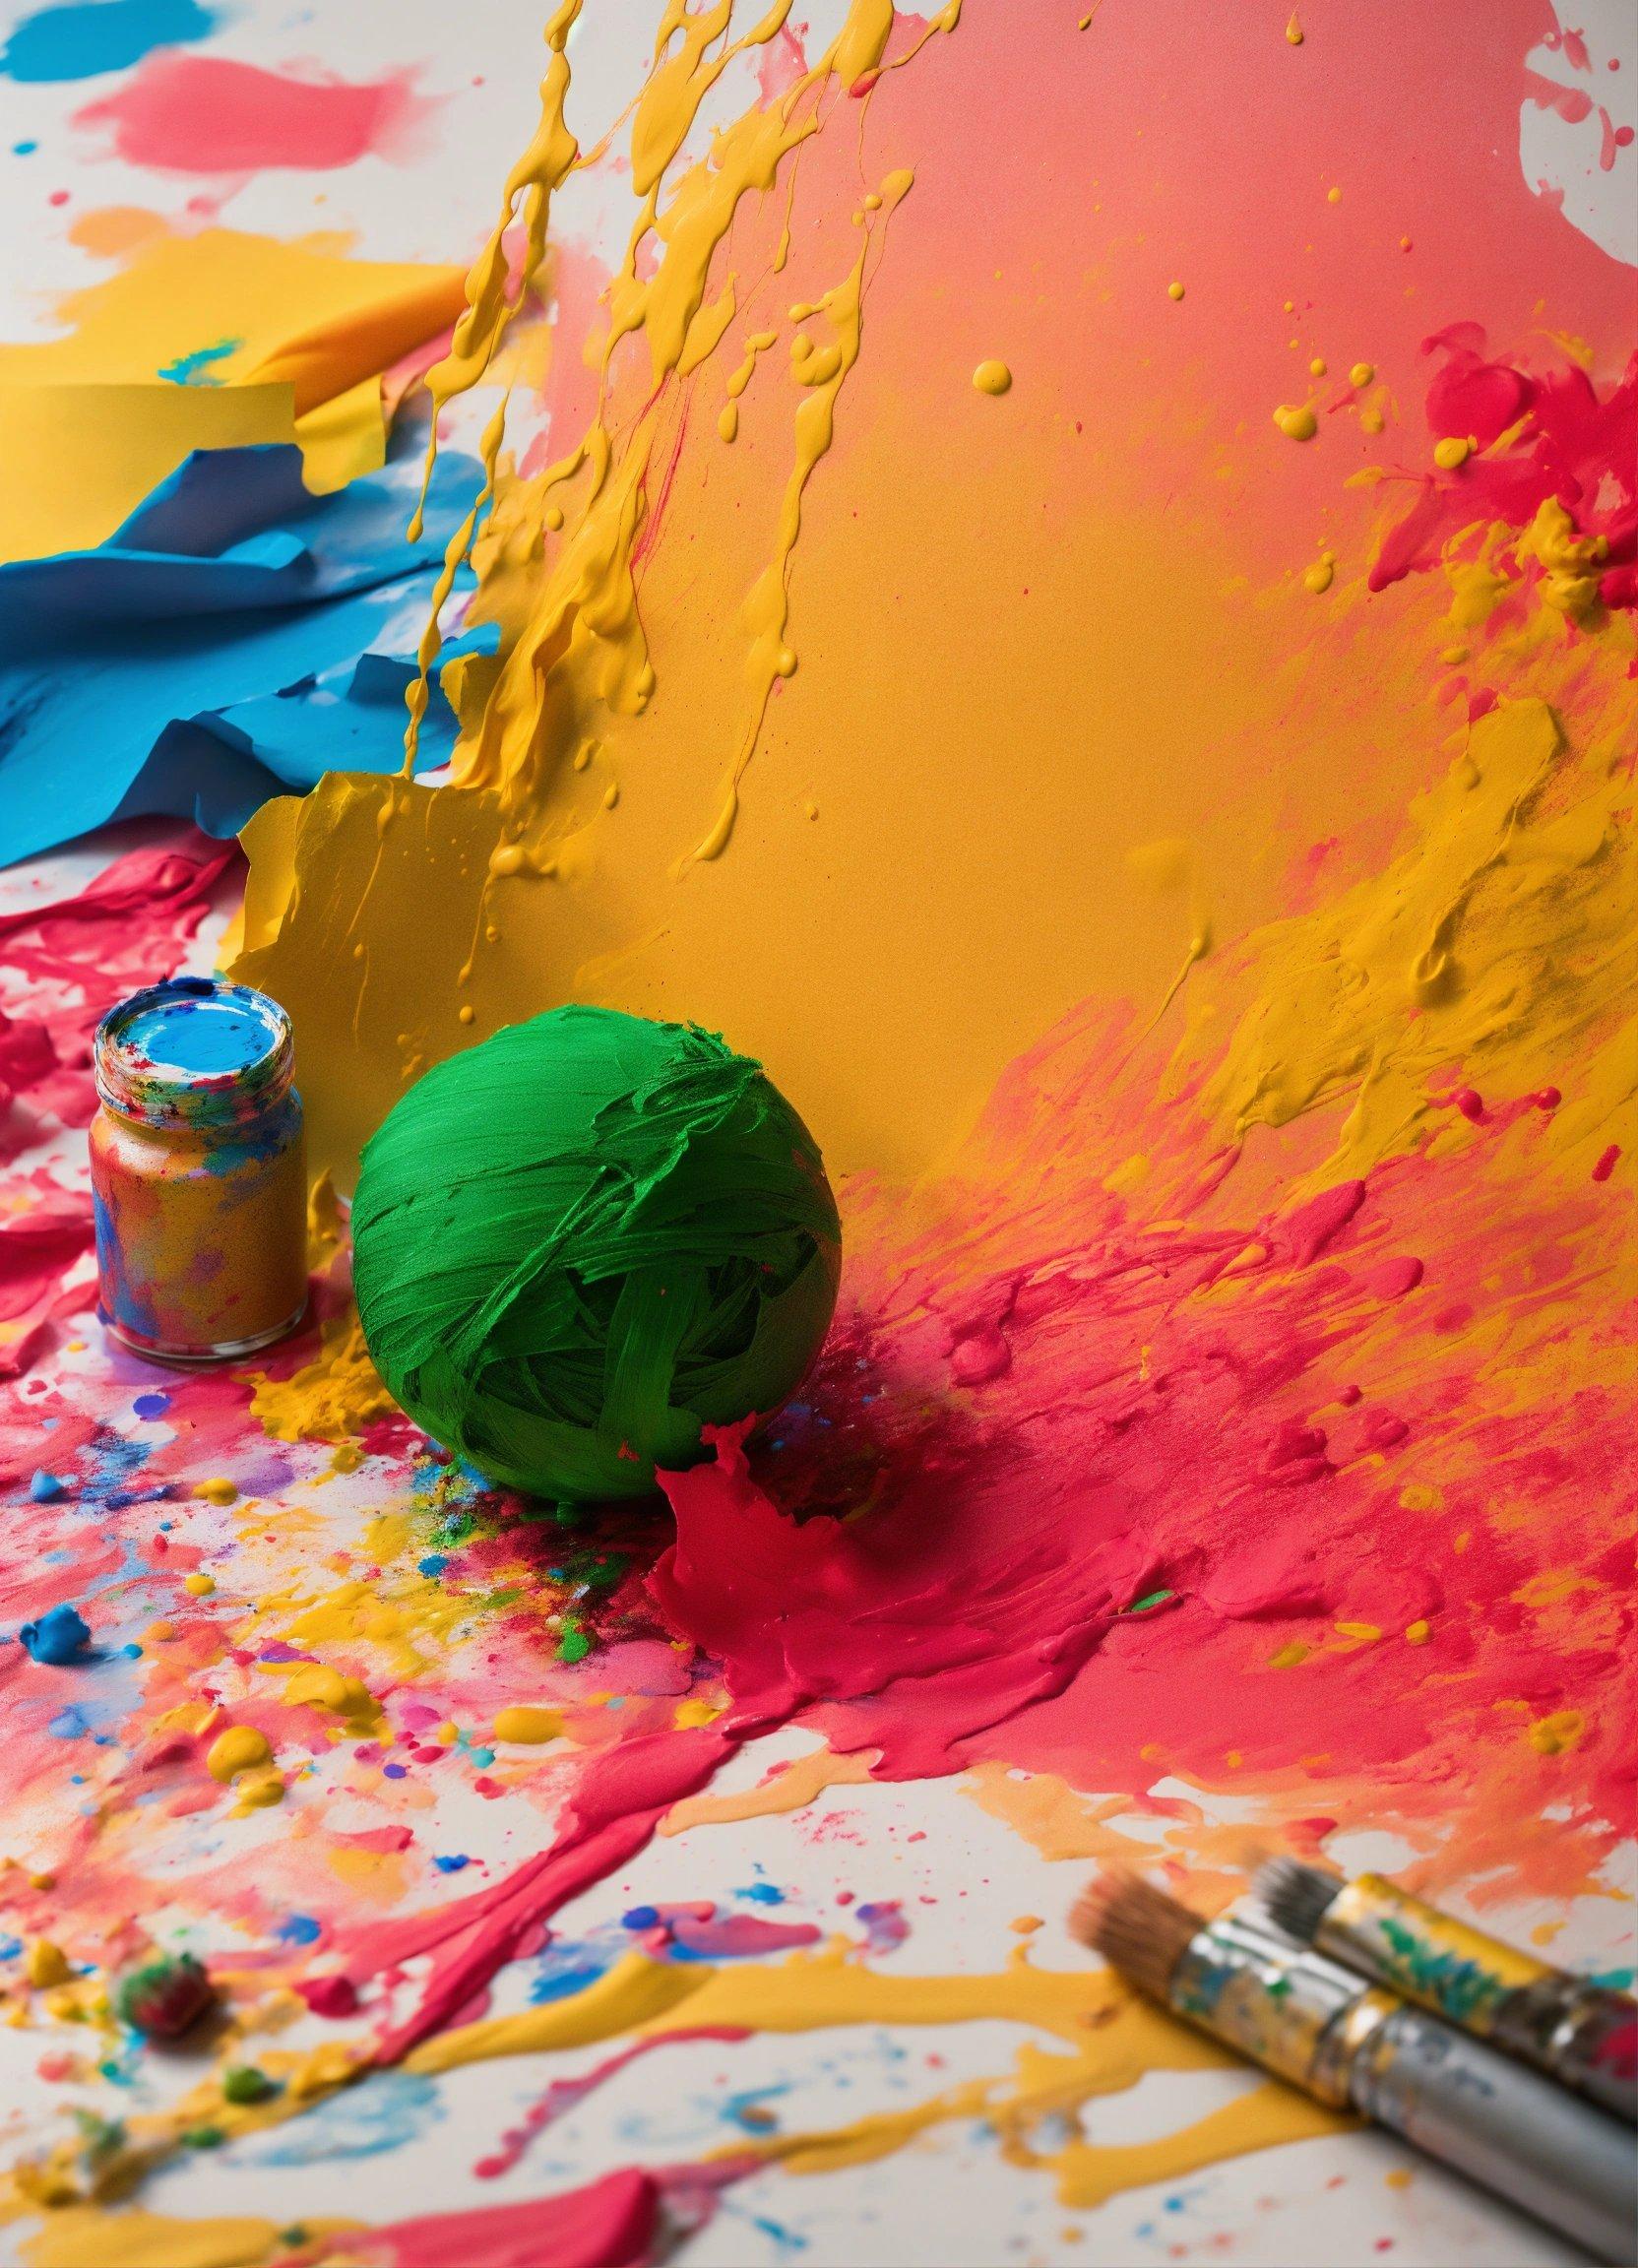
(1137, 1929)
(1296, 1897)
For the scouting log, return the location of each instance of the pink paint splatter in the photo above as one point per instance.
(185, 113)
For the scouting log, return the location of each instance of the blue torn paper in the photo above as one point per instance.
(237, 637)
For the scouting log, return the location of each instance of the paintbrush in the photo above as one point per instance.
(1358, 2048)
(1582, 2035)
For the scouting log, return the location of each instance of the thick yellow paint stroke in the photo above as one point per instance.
(88, 425)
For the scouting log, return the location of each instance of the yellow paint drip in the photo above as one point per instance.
(995, 378)
(791, 1790)
(1554, 1736)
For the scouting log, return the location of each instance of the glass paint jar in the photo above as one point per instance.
(199, 1173)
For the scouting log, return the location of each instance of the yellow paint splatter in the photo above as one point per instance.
(1294, 31)
(1296, 421)
(1417, 1633)
(45, 1965)
(1318, 577)
(200, 1585)
(1452, 452)
(1174, 290)
(1362, 374)
(217, 1491)
(995, 377)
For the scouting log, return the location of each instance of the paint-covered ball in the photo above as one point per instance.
(579, 1242)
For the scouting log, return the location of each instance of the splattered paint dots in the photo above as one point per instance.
(1296, 421)
(1174, 290)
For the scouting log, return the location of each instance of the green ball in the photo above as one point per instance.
(579, 1241)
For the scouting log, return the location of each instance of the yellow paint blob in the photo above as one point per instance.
(1289, 1656)
(217, 1491)
(1450, 453)
(727, 420)
(527, 1725)
(200, 1585)
(45, 1965)
(1296, 421)
(1294, 31)
(1371, 420)
(1316, 368)
(1362, 374)
(1319, 576)
(1554, 1736)
(1174, 290)
(688, 1715)
(1333, 195)
(1418, 1633)
(241, 1748)
(992, 377)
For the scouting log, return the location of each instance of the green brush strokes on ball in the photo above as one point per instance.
(578, 1242)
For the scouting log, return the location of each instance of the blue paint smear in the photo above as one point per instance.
(78, 40)
(383, 2112)
(193, 369)
(300, 1930)
(236, 639)
(206, 1036)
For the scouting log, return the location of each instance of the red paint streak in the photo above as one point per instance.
(184, 113)
(566, 2094)
(1607, 1163)
(1612, 138)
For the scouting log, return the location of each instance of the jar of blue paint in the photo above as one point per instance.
(199, 1173)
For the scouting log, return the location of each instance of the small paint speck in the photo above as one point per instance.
(992, 377)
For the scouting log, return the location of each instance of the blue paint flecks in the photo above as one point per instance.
(86, 37)
(46, 1488)
(433, 1564)
(764, 1893)
(194, 368)
(453, 1863)
(300, 1930)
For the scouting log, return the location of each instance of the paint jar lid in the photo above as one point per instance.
(194, 1053)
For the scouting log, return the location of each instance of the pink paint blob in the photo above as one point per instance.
(183, 113)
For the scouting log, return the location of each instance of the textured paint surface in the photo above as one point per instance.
(1070, 586)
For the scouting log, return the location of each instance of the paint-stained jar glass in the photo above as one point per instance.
(199, 1172)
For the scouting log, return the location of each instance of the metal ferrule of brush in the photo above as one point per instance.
(1580, 2033)
(1299, 2014)
(1357, 2046)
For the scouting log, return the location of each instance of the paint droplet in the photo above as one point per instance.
(1362, 374)
(1025, 1924)
(1319, 576)
(1174, 290)
(1404, 243)
(468, 1013)
(200, 1585)
(47, 1964)
(992, 377)
(1371, 421)
(1333, 195)
(1296, 421)
(219, 1492)
(1294, 31)
(1418, 1633)
(1554, 1736)
(241, 1748)
(47, 1488)
(531, 1726)
(1316, 368)
(257, 1791)
(1289, 1656)
(785, 663)
(553, 516)
(727, 420)
(612, 795)
(1450, 453)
